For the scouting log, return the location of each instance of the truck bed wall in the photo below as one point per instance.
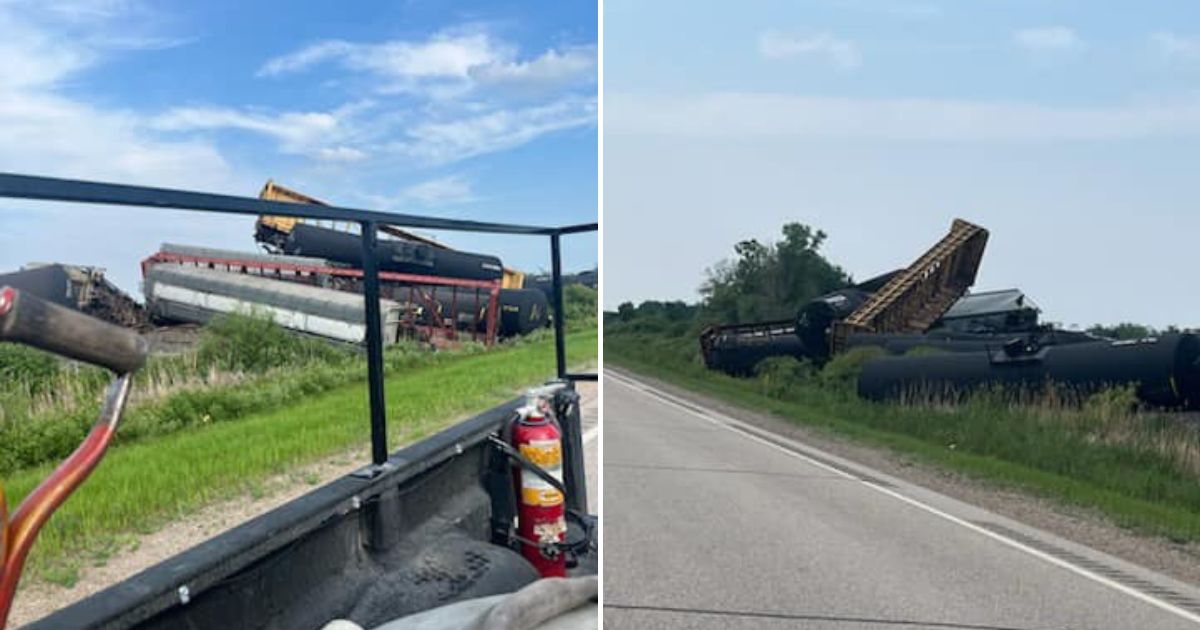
(412, 538)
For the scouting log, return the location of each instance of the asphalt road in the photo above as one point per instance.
(589, 416)
(711, 523)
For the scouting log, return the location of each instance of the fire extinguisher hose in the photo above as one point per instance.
(585, 524)
(524, 462)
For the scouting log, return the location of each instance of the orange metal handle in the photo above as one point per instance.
(37, 508)
(27, 319)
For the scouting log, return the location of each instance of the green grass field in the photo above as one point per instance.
(1141, 470)
(143, 484)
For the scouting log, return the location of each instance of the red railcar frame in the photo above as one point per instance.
(392, 285)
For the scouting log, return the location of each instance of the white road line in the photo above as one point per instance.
(726, 422)
(591, 434)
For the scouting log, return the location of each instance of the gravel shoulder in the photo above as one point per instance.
(1180, 561)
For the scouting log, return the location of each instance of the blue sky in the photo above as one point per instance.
(480, 110)
(1070, 129)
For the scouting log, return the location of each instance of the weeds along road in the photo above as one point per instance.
(712, 523)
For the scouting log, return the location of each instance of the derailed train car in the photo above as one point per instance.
(1165, 370)
(908, 300)
(85, 289)
(737, 350)
(425, 304)
(196, 295)
(988, 339)
(985, 340)
(522, 311)
(392, 254)
(942, 340)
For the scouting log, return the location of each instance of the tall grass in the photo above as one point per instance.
(162, 477)
(1142, 468)
(252, 343)
(579, 307)
(241, 364)
(26, 367)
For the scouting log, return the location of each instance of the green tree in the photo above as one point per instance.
(765, 282)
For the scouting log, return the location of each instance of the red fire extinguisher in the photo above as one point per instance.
(541, 510)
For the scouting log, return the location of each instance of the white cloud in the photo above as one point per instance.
(297, 132)
(305, 57)
(1173, 46)
(573, 64)
(142, 42)
(32, 58)
(98, 27)
(47, 130)
(442, 55)
(326, 136)
(45, 133)
(840, 52)
(49, 125)
(451, 189)
(446, 64)
(43, 130)
(90, 11)
(355, 132)
(448, 141)
(341, 154)
(456, 94)
(770, 115)
(1048, 38)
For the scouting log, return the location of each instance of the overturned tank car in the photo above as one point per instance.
(736, 350)
(1165, 371)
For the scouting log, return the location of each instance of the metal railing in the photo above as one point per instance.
(16, 186)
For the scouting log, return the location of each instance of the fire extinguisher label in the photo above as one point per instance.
(544, 453)
(547, 454)
(552, 531)
(547, 496)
